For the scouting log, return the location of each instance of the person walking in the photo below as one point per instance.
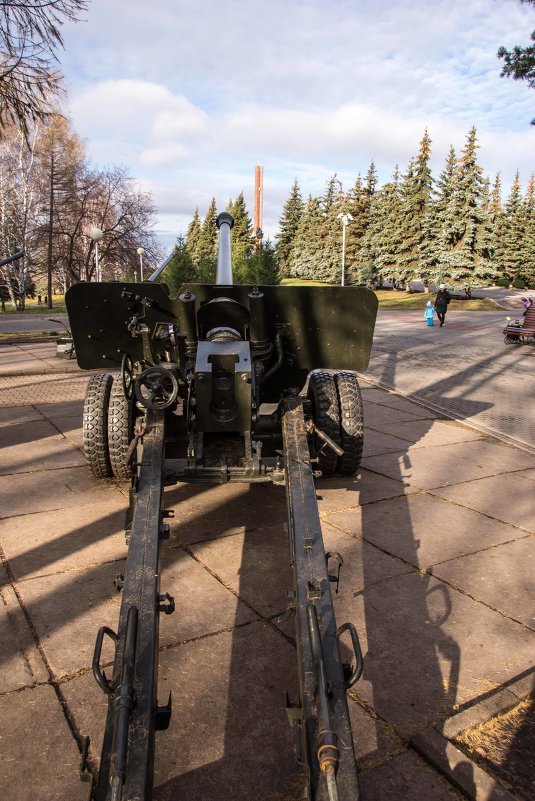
(429, 313)
(441, 303)
(527, 303)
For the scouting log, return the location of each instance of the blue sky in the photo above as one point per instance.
(191, 95)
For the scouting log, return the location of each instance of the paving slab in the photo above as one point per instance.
(423, 433)
(203, 604)
(433, 467)
(27, 447)
(501, 577)
(55, 542)
(71, 428)
(364, 564)
(254, 564)
(377, 442)
(38, 756)
(72, 408)
(406, 777)
(382, 397)
(426, 648)
(510, 499)
(203, 512)
(367, 487)
(385, 418)
(64, 488)
(21, 664)
(374, 740)
(231, 739)
(67, 610)
(422, 529)
(13, 415)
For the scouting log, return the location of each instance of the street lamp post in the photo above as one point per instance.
(141, 251)
(345, 222)
(96, 235)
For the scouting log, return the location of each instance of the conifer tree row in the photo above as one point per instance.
(454, 228)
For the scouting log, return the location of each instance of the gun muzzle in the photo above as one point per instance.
(224, 222)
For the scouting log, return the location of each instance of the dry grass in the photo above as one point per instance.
(505, 746)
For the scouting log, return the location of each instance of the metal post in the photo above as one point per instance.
(344, 226)
(97, 265)
(141, 251)
(96, 235)
(345, 221)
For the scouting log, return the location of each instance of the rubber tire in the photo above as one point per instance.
(326, 413)
(120, 428)
(351, 422)
(95, 425)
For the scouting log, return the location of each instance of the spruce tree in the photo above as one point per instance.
(181, 269)
(206, 259)
(263, 266)
(328, 250)
(440, 220)
(304, 250)
(416, 191)
(511, 234)
(527, 251)
(464, 257)
(381, 244)
(288, 225)
(192, 236)
(242, 238)
(360, 201)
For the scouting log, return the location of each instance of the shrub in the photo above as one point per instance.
(518, 283)
(502, 282)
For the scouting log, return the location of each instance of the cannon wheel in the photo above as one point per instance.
(323, 393)
(95, 425)
(120, 427)
(351, 422)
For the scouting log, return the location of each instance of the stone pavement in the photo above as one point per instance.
(437, 535)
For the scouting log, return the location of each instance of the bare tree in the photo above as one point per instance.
(106, 199)
(29, 39)
(18, 210)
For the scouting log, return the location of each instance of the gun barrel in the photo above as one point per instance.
(161, 267)
(224, 222)
(18, 255)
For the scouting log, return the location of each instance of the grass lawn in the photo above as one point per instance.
(32, 307)
(408, 301)
(390, 299)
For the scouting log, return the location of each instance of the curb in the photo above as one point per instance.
(437, 748)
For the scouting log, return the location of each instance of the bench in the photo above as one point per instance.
(521, 334)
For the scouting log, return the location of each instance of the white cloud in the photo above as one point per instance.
(192, 99)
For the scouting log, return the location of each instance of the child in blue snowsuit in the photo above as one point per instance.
(429, 313)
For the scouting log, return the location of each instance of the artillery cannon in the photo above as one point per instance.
(221, 384)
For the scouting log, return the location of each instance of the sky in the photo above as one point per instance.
(190, 96)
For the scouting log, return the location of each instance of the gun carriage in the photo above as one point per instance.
(221, 384)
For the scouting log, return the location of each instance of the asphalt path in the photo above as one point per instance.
(463, 369)
(22, 323)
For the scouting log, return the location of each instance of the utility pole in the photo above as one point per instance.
(258, 203)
